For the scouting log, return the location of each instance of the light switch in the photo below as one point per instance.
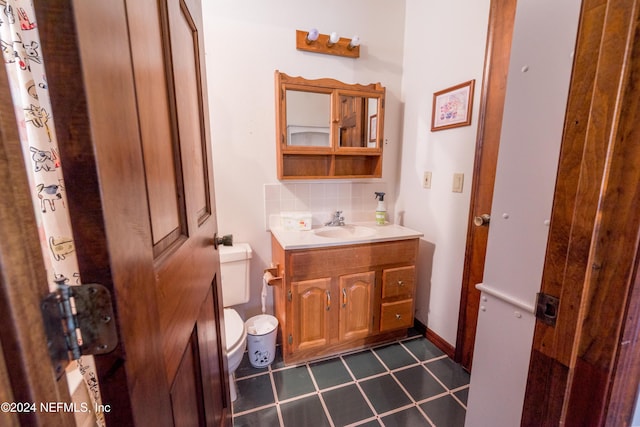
(426, 179)
(458, 182)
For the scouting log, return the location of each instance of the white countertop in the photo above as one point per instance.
(365, 232)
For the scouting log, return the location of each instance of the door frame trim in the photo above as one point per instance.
(494, 82)
(26, 373)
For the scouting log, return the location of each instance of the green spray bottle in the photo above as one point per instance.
(381, 210)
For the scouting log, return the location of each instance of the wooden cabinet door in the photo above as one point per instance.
(128, 92)
(312, 309)
(356, 301)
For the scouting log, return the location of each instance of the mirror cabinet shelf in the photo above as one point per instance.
(328, 129)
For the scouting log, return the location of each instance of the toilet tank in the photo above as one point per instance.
(234, 271)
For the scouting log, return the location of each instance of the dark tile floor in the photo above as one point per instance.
(406, 383)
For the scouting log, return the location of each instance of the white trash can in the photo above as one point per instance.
(261, 340)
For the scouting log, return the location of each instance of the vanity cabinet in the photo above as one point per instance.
(341, 298)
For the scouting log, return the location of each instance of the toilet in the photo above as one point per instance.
(234, 271)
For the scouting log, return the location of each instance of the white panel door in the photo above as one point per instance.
(536, 97)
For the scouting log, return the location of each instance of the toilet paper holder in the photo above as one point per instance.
(271, 276)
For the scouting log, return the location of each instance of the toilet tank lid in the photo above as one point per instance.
(237, 252)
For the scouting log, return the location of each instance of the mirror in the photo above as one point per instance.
(306, 108)
(328, 129)
(358, 122)
(308, 118)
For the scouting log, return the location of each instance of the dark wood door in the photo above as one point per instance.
(494, 85)
(127, 82)
(351, 115)
(585, 369)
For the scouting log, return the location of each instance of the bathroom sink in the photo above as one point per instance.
(344, 231)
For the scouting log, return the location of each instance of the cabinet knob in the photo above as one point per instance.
(400, 283)
(398, 317)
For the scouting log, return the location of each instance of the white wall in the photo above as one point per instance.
(444, 46)
(414, 48)
(245, 42)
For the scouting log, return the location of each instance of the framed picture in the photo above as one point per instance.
(373, 128)
(452, 106)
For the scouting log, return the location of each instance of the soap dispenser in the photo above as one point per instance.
(381, 210)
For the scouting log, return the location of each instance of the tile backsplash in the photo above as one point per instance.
(355, 199)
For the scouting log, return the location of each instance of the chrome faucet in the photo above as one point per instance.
(337, 220)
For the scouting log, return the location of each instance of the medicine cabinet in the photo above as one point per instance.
(328, 129)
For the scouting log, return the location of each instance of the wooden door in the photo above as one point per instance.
(351, 114)
(128, 91)
(356, 305)
(500, 31)
(584, 370)
(312, 304)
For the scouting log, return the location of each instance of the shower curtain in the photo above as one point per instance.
(23, 59)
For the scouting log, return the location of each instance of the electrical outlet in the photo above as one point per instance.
(426, 179)
(458, 181)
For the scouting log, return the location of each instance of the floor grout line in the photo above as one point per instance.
(275, 398)
(322, 402)
(248, 377)
(453, 392)
(366, 420)
(356, 381)
(256, 409)
(459, 401)
(435, 376)
(410, 397)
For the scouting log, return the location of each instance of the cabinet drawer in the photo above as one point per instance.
(396, 315)
(398, 281)
(335, 261)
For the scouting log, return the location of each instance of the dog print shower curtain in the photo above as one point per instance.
(25, 67)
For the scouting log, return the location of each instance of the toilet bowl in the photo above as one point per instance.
(236, 336)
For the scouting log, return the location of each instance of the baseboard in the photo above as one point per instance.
(436, 339)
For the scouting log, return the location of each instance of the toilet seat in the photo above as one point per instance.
(233, 328)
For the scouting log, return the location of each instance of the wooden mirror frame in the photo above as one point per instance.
(332, 161)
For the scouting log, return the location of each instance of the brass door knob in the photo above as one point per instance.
(226, 240)
(482, 220)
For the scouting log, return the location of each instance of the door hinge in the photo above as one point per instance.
(547, 308)
(290, 340)
(289, 295)
(78, 320)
